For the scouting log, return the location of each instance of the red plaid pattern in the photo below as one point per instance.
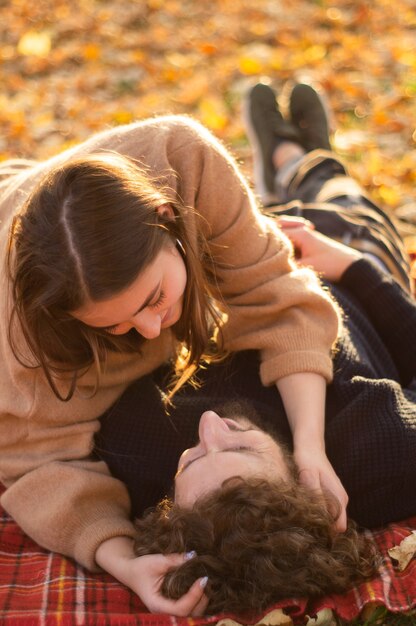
(40, 588)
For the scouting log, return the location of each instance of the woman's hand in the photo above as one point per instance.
(316, 472)
(144, 575)
(303, 396)
(326, 256)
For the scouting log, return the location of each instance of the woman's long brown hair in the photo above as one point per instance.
(87, 231)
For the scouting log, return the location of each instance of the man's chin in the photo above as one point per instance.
(242, 412)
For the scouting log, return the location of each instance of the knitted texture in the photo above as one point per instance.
(370, 409)
(67, 503)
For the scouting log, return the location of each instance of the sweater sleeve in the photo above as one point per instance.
(59, 496)
(273, 306)
(390, 309)
(89, 507)
(62, 498)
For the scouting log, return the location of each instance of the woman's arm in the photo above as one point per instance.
(303, 396)
(145, 574)
(273, 305)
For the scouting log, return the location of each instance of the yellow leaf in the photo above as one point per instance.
(314, 53)
(410, 245)
(408, 58)
(277, 60)
(275, 618)
(37, 44)
(250, 66)
(404, 552)
(228, 622)
(389, 195)
(123, 117)
(213, 113)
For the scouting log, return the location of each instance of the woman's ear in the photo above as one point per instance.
(166, 210)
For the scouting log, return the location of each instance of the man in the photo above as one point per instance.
(260, 535)
(253, 534)
(370, 429)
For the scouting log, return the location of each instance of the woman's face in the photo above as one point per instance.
(152, 302)
(226, 448)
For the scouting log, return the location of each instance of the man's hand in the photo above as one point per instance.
(144, 575)
(316, 472)
(326, 256)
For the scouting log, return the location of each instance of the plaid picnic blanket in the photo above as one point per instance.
(41, 588)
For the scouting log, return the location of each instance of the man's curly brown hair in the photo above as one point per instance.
(258, 542)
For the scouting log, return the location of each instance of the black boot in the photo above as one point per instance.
(309, 116)
(266, 128)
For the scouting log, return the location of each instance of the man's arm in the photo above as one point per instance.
(391, 310)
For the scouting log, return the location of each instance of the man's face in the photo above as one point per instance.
(227, 447)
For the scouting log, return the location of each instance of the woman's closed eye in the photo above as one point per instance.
(159, 301)
(112, 330)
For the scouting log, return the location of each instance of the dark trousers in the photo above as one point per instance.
(322, 192)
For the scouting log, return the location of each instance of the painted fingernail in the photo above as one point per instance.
(190, 555)
(203, 582)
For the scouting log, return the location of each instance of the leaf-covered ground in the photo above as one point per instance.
(69, 69)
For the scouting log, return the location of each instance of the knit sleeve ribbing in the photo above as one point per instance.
(391, 310)
(273, 305)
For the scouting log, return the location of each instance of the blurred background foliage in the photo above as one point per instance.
(69, 69)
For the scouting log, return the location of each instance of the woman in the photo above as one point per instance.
(119, 255)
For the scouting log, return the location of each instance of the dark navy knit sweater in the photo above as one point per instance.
(370, 413)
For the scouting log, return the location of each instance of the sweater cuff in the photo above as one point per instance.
(94, 535)
(362, 276)
(283, 365)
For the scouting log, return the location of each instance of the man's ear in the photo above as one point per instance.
(166, 210)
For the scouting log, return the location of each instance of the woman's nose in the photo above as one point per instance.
(213, 431)
(149, 327)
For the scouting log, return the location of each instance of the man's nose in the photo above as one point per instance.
(212, 431)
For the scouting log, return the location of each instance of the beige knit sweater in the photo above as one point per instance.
(60, 498)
